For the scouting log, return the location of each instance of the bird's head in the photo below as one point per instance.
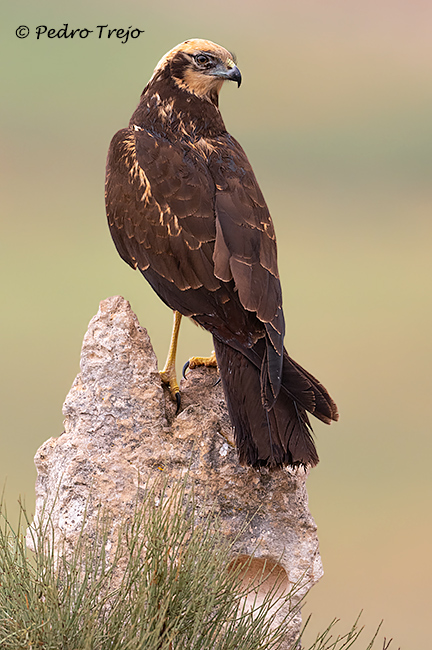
(199, 67)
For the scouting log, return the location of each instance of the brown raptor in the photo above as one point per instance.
(185, 208)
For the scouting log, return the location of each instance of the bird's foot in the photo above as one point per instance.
(195, 362)
(169, 378)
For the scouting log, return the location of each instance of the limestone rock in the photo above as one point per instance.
(121, 431)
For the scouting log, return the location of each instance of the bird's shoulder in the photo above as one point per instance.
(233, 175)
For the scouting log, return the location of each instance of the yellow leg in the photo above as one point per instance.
(168, 374)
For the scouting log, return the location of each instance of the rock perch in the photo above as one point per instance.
(121, 430)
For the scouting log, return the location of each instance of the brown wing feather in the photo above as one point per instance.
(160, 209)
(245, 242)
(245, 250)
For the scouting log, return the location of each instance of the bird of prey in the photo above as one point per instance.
(185, 208)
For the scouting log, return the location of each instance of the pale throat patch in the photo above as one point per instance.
(196, 82)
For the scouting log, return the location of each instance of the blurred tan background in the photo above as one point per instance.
(335, 115)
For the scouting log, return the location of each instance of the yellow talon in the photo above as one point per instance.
(195, 362)
(169, 378)
(208, 362)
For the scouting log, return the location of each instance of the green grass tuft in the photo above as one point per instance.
(159, 581)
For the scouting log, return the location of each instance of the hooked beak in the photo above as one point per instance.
(230, 74)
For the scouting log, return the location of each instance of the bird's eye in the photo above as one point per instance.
(202, 59)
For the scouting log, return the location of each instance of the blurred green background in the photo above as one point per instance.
(335, 115)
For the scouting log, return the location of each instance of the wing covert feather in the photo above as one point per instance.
(160, 209)
(245, 248)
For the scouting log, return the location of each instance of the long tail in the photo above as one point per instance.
(281, 435)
